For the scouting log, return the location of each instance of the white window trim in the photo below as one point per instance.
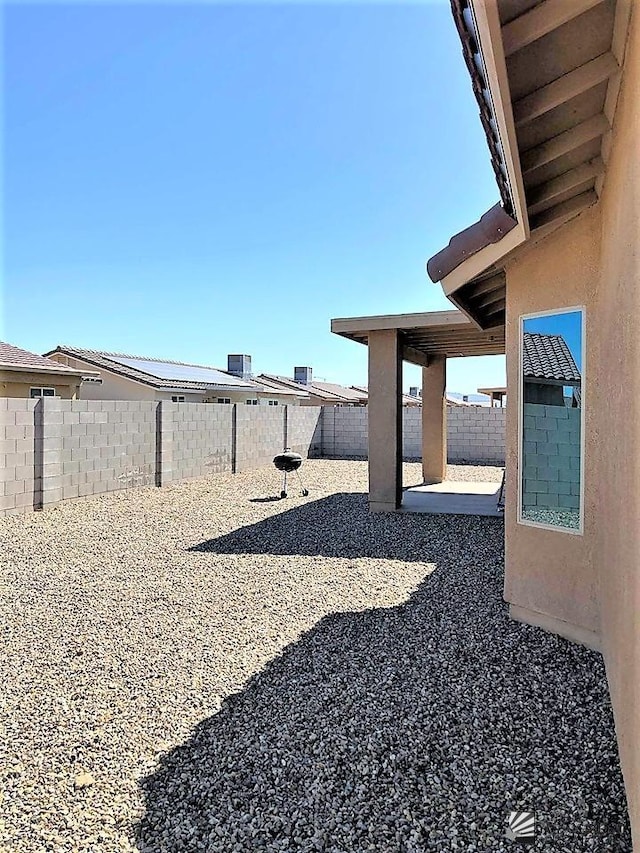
(177, 398)
(41, 388)
(583, 396)
(224, 400)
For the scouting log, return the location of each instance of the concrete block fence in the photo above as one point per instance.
(551, 460)
(53, 450)
(474, 434)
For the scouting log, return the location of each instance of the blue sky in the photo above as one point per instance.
(189, 180)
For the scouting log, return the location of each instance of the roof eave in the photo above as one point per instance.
(487, 33)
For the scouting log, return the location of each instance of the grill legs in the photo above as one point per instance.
(304, 492)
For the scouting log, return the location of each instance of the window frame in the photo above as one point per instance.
(41, 389)
(224, 401)
(177, 398)
(525, 522)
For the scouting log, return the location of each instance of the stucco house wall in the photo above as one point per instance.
(19, 384)
(616, 445)
(552, 574)
(588, 587)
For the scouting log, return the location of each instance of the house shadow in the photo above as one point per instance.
(411, 728)
(339, 525)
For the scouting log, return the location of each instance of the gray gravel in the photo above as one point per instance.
(557, 517)
(193, 669)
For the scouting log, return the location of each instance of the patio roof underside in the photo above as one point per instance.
(426, 335)
(563, 73)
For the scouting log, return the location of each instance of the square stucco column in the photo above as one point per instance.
(434, 421)
(385, 421)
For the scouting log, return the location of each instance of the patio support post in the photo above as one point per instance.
(385, 421)
(434, 420)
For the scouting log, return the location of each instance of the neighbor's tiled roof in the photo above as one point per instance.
(325, 391)
(407, 399)
(350, 394)
(11, 356)
(269, 384)
(548, 357)
(103, 360)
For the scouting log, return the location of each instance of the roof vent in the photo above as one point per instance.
(239, 365)
(302, 375)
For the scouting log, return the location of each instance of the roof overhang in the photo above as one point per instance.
(55, 370)
(426, 335)
(546, 75)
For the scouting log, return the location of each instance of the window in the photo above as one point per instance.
(42, 392)
(551, 458)
(177, 398)
(224, 400)
(274, 403)
(251, 402)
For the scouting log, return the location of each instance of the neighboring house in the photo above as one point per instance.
(412, 399)
(557, 88)
(127, 377)
(26, 374)
(547, 369)
(325, 393)
(319, 393)
(497, 395)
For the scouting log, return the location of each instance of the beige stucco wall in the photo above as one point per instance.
(616, 447)
(19, 384)
(549, 572)
(593, 581)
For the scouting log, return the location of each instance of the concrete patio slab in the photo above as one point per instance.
(453, 498)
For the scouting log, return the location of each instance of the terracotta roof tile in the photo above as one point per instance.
(12, 356)
(548, 357)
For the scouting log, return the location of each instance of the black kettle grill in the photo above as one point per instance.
(288, 462)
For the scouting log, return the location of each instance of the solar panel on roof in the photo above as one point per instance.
(180, 372)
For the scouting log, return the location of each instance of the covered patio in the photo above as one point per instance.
(427, 340)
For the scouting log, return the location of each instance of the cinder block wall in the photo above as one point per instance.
(53, 450)
(102, 446)
(201, 435)
(476, 434)
(260, 434)
(304, 430)
(345, 432)
(412, 433)
(551, 458)
(19, 487)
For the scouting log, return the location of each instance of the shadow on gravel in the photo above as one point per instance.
(336, 526)
(414, 728)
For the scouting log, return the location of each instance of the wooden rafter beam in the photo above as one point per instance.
(486, 286)
(565, 210)
(414, 356)
(496, 308)
(542, 196)
(489, 299)
(564, 88)
(563, 143)
(541, 20)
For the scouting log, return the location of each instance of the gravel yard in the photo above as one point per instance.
(200, 668)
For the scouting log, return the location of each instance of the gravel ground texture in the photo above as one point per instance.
(201, 668)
